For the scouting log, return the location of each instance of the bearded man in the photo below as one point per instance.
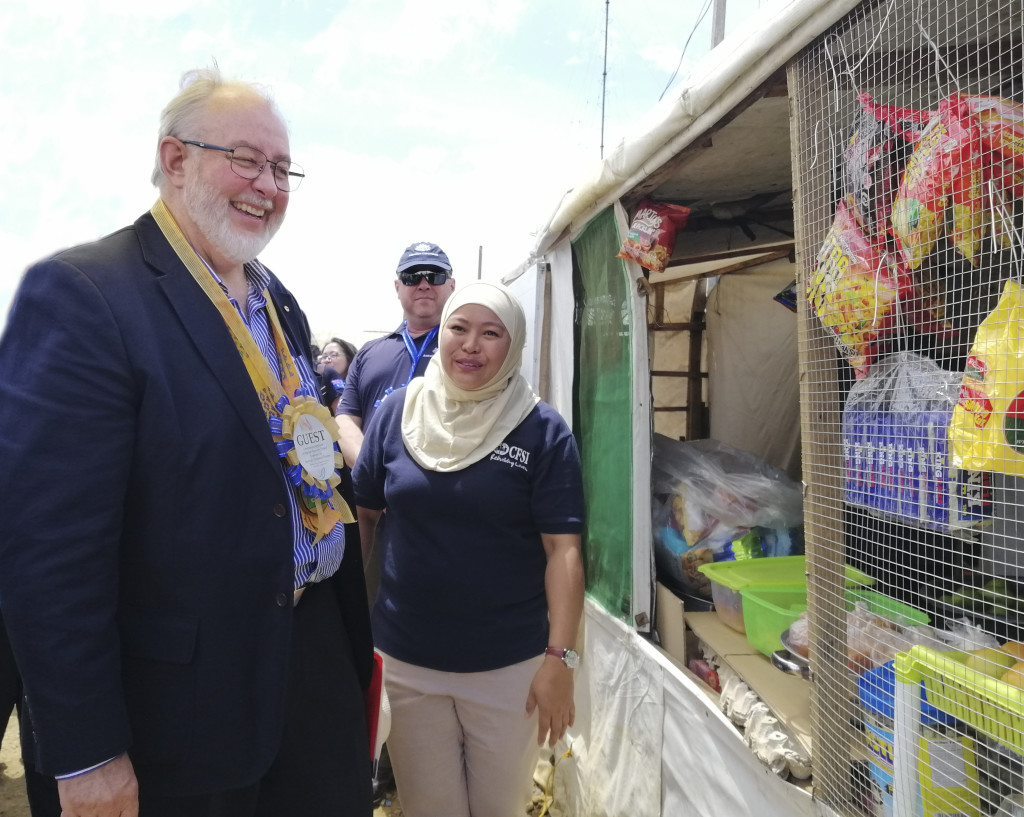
(160, 528)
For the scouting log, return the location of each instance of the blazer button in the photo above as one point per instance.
(282, 600)
(280, 510)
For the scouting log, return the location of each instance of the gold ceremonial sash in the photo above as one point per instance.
(322, 511)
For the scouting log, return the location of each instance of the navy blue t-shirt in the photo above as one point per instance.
(462, 577)
(379, 367)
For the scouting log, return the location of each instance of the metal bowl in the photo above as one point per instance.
(789, 660)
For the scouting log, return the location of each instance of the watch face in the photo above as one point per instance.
(571, 659)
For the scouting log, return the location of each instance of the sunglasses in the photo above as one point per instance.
(434, 278)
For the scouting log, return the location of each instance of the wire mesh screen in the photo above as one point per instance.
(908, 140)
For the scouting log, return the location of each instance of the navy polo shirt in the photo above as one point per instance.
(462, 575)
(380, 367)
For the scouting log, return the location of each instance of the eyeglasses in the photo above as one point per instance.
(331, 355)
(249, 162)
(434, 277)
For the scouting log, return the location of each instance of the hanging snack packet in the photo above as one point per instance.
(907, 123)
(855, 291)
(865, 177)
(946, 171)
(923, 196)
(652, 233)
(987, 430)
(874, 160)
(1001, 129)
(964, 162)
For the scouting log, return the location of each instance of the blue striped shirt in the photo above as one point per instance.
(313, 563)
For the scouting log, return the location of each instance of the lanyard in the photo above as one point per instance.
(414, 353)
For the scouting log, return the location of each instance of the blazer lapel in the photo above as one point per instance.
(204, 325)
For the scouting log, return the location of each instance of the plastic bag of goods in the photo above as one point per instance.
(895, 448)
(712, 502)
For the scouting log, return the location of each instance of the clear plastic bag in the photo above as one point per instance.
(711, 502)
(896, 450)
(871, 639)
(718, 492)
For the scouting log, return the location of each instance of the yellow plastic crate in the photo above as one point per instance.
(990, 706)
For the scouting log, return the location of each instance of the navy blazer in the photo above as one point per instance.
(146, 563)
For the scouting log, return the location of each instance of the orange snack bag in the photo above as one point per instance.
(652, 233)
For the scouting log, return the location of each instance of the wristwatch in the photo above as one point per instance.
(569, 656)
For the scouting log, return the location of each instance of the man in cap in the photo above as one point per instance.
(423, 285)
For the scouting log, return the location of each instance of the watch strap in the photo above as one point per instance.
(568, 655)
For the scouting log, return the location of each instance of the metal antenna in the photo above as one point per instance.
(604, 75)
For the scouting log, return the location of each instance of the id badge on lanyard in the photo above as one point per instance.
(414, 353)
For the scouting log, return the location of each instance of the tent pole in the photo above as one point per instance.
(604, 75)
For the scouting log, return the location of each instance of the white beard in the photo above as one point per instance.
(205, 206)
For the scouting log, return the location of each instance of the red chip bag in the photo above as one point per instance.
(947, 170)
(855, 290)
(907, 123)
(652, 234)
(964, 162)
(1001, 128)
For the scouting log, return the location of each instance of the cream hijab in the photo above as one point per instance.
(447, 428)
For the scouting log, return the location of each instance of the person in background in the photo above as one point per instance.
(189, 620)
(333, 366)
(424, 282)
(481, 591)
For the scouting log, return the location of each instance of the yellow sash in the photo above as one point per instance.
(321, 505)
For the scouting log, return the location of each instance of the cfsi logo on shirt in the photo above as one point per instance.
(511, 455)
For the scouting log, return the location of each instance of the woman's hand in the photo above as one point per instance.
(551, 694)
(552, 686)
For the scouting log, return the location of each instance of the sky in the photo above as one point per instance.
(461, 122)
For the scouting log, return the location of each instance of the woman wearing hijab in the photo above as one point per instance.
(482, 580)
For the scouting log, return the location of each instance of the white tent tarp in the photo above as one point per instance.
(648, 740)
(720, 82)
